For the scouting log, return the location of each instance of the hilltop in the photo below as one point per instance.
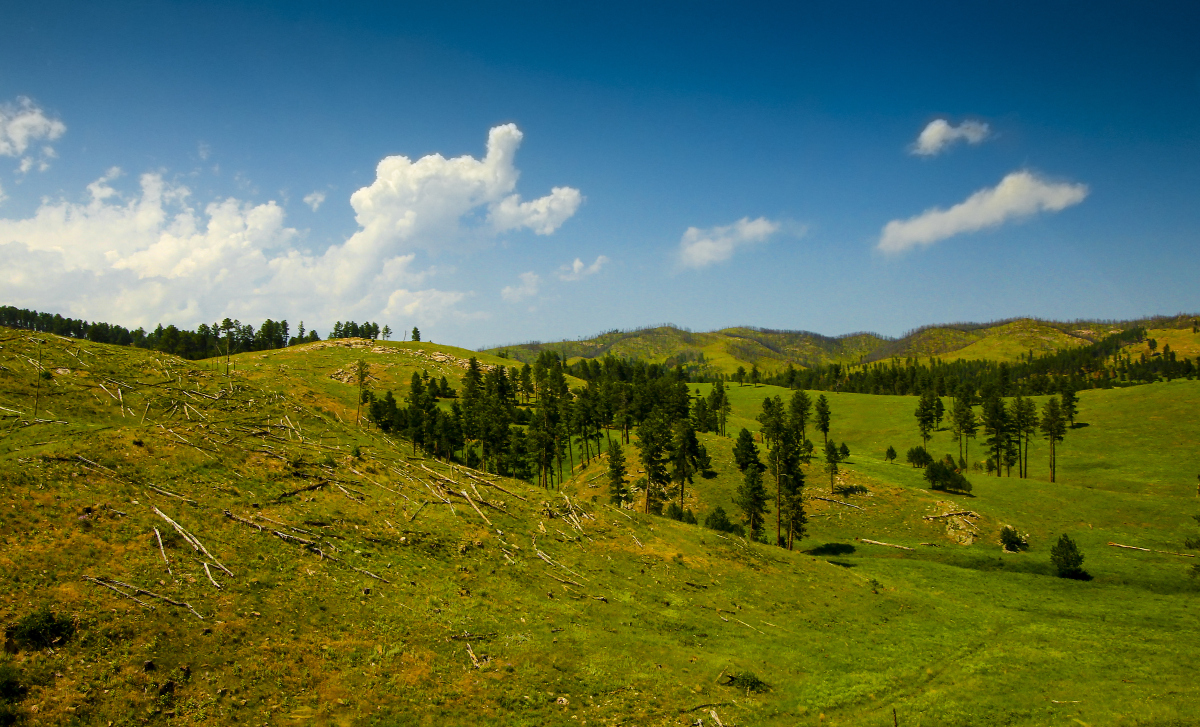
(723, 351)
(233, 548)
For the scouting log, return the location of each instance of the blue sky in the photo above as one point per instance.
(706, 164)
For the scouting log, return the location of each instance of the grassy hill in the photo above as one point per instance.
(338, 580)
(725, 350)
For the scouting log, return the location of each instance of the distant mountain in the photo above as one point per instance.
(723, 351)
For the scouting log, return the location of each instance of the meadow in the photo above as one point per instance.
(372, 586)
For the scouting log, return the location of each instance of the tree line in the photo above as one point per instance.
(206, 341)
(1098, 365)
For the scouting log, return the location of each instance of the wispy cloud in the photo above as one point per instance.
(578, 270)
(23, 124)
(528, 288)
(939, 134)
(1019, 194)
(702, 247)
(314, 199)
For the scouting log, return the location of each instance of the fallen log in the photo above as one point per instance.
(836, 502)
(960, 513)
(876, 542)
(1148, 550)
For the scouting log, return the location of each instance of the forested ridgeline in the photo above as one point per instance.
(1099, 365)
(217, 339)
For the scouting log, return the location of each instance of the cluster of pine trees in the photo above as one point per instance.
(350, 329)
(785, 436)
(228, 336)
(1007, 427)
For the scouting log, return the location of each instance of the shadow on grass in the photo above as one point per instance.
(843, 563)
(831, 549)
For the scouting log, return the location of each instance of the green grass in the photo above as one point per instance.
(947, 635)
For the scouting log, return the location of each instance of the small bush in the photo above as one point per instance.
(745, 681)
(41, 629)
(12, 689)
(674, 512)
(1067, 559)
(719, 521)
(1012, 540)
(689, 517)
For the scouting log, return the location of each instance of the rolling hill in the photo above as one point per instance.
(723, 351)
(204, 548)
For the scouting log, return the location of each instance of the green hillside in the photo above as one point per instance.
(337, 579)
(723, 351)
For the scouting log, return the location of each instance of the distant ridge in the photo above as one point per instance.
(724, 350)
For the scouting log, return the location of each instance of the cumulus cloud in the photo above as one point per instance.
(939, 134)
(23, 124)
(577, 270)
(1019, 194)
(314, 199)
(700, 248)
(528, 288)
(153, 255)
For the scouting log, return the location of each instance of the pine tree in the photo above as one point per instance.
(618, 490)
(745, 451)
(890, 455)
(751, 497)
(1070, 403)
(416, 334)
(685, 452)
(1067, 559)
(844, 452)
(799, 411)
(1054, 428)
(995, 426)
(926, 414)
(654, 438)
(824, 416)
(831, 463)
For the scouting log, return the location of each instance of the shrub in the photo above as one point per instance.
(1012, 540)
(11, 687)
(719, 520)
(745, 680)
(1067, 559)
(689, 517)
(41, 629)
(673, 511)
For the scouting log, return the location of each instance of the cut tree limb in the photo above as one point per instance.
(876, 542)
(164, 552)
(836, 502)
(1148, 550)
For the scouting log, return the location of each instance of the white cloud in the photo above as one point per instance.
(1020, 194)
(423, 204)
(939, 134)
(23, 124)
(699, 248)
(314, 199)
(578, 270)
(152, 255)
(528, 287)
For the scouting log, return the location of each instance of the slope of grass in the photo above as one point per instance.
(575, 612)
